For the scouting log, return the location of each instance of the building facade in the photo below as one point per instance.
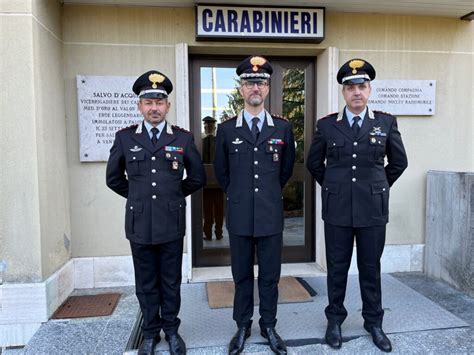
(61, 228)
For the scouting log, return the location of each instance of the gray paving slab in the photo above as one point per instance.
(405, 311)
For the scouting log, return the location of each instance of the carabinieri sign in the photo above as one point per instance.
(259, 23)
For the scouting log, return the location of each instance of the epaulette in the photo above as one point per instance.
(228, 119)
(328, 115)
(280, 117)
(129, 127)
(180, 129)
(385, 113)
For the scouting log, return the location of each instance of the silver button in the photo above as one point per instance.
(153, 171)
(131, 207)
(256, 189)
(327, 189)
(255, 162)
(255, 149)
(256, 176)
(153, 197)
(354, 156)
(354, 179)
(134, 158)
(334, 144)
(355, 143)
(354, 167)
(236, 150)
(383, 189)
(153, 184)
(153, 158)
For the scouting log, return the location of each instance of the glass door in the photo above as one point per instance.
(215, 98)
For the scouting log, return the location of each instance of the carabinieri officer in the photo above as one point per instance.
(254, 158)
(347, 158)
(146, 166)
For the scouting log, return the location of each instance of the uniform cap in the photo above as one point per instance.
(152, 85)
(254, 68)
(355, 71)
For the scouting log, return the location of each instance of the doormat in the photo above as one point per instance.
(220, 294)
(87, 306)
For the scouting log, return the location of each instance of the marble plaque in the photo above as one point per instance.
(105, 105)
(404, 97)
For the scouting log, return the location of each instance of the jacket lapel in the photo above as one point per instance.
(342, 125)
(165, 138)
(142, 137)
(369, 122)
(267, 131)
(242, 129)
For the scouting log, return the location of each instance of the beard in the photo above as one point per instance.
(255, 100)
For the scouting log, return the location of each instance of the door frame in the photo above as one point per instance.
(291, 254)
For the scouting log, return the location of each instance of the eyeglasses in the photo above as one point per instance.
(250, 84)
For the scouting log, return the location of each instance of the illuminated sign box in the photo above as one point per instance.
(260, 23)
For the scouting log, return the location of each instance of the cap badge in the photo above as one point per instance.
(257, 62)
(356, 64)
(156, 78)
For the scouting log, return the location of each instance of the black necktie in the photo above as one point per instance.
(154, 137)
(255, 130)
(355, 126)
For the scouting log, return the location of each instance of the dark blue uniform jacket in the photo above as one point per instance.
(151, 179)
(252, 174)
(354, 177)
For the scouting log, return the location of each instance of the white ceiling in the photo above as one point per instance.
(444, 8)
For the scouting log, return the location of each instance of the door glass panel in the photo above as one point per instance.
(293, 193)
(219, 100)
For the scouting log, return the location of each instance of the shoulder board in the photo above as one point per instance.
(383, 112)
(229, 119)
(133, 126)
(180, 129)
(329, 115)
(280, 117)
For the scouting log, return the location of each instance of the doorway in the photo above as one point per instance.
(215, 98)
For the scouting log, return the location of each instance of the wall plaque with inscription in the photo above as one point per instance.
(404, 97)
(105, 105)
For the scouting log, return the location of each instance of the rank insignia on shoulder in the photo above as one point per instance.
(136, 149)
(377, 131)
(170, 148)
(237, 141)
(275, 141)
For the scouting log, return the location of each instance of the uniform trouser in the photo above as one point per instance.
(157, 284)
(242, 252)
(213, 211)
(370, 242)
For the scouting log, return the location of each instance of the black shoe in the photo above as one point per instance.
(237, 343)
(380, 339)
(176, 343)
(147, 347)
(333, 335)
(276, 343)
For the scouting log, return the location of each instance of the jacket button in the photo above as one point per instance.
(131, 207)
(153, 184)
(134, 158)
(255, 149)
(354, 167)
(153, 197)
(256, 176)
(153, 158)
(256, 189)
(354, 179)
(383, 189)
(355, 143)
(236, 150)
(354, 156)
(333, 144)
(256, 162)
(153, 171)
